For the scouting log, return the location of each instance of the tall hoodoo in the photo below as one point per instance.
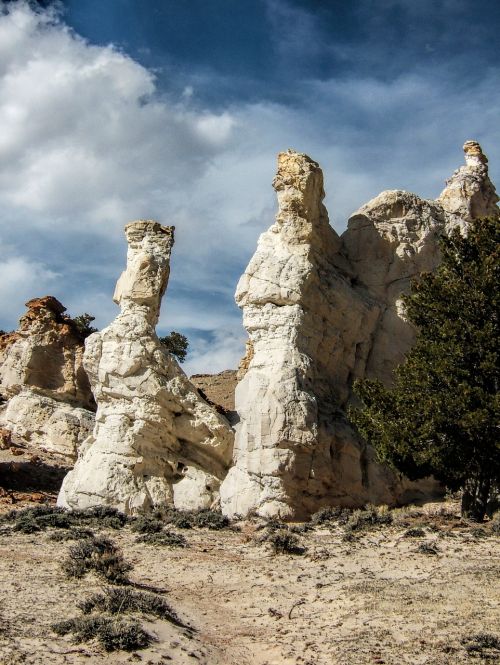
(156, 441)
(321, 311)
(469, 193)
(292, 453)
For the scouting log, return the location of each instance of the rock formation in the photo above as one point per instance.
(41, 375)
(320, 311)
(45, 354)
(156, 441)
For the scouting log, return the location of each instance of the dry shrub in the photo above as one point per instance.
(113, 634)
(100, 555)
(163, 539)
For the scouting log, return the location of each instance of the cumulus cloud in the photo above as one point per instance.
(19, 280)
(84, 130)
(89, 142)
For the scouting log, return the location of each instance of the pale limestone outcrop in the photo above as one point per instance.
(48, 423)
(156, 441)
(41, 375)
(321, 311)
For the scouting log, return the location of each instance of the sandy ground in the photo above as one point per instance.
(371, 600)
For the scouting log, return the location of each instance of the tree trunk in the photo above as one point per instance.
(475, 498)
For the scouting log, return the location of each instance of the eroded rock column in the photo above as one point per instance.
(308, 332)
(156, 441)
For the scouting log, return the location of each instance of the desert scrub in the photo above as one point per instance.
(71, 534)
(112, 633)
(122, 600)
(282, 541)
(100, 517)
(205, 519)
(100, 555)
(482, 645)
(162, 539)
(39, 518)
(370, 518)
(427, 548)
(331, 515)
(146, 524)
(415, 532)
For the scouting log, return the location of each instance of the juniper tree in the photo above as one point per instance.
(441, 416)
(177, 344)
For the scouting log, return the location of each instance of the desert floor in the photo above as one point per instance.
(418, 590)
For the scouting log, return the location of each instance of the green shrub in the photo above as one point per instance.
(176, 344)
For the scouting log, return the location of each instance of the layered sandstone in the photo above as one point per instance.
(45, 354)
(156, 441)
(321, 311)
(49, 401)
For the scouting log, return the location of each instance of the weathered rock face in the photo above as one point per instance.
(320, 311)
(156, 441)
(45, 354)
(41, 373)
(48, 423)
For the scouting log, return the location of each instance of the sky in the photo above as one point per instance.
(115, 110)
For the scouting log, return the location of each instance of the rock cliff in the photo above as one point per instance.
(320, 311)
(156, 441)
(41, 375)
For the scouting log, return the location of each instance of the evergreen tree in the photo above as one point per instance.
(441, 416)
(176, 344)
(82, 323)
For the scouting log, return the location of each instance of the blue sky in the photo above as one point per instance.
(112, 110)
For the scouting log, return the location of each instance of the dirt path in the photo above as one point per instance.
(374, 599)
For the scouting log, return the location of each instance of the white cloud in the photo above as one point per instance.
(87, 143)
(20, 279)
(84, 132)
(222, 351)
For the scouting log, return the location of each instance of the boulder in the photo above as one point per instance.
(48, 423)
(156, 441)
